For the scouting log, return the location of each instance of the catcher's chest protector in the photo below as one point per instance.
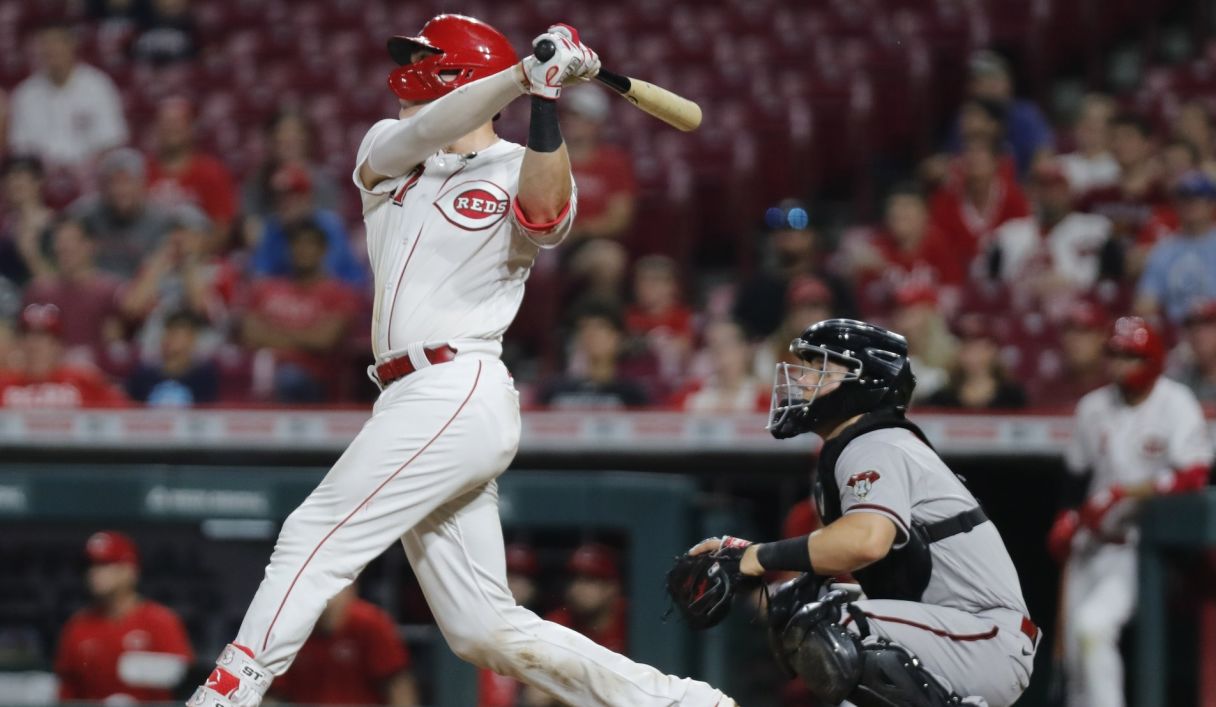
(903, 573)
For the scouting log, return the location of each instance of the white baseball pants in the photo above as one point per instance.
(1099, 597)
(422, 470)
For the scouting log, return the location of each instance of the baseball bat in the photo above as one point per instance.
(676, 111)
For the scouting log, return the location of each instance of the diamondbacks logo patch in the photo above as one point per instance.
(862, 482)
(475, 205)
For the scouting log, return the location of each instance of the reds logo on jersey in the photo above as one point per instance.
(475, 205)
(862, 482)
(1154, 446)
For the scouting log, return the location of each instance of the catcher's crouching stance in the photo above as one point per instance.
(943, 621)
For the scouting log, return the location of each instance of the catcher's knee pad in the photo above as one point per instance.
(893, 677)
(836, 665)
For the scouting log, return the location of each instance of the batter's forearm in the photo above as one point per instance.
(401, 147)
(545, 184)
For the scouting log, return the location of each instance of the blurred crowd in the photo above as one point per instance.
(123, 646)
(162, 276)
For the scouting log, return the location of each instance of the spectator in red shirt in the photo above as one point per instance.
(298, 322)
(658, 316)
(494, 690)
(606, 187)
(729, 385)
(595, 256)
(86, 297)
(906, 247)
(968, 209)
(122, 648)
(178, 171)
(353, 657)
(595, 606)
(42, 379)
(1079, 365)
(1132, 201)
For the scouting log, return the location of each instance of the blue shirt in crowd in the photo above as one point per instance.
(1180, 271)
(273, 255)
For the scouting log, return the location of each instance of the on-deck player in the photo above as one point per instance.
(1140, 436)
(944, 622)
(455, 217)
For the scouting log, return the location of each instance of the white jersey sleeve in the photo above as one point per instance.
(874, 478)
(1189, 443)
(373, 196)
(1081, 451)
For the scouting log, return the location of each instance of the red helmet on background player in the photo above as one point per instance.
(594, 560)
(461, 49)
(1132, 336)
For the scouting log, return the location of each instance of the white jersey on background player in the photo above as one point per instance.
(450, 247)
(1141, 436)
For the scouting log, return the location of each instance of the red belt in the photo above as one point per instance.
(395, 369)
(1031, 631)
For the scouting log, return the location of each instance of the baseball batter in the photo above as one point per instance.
(1139, 436)
(455, 217)
(944, 621)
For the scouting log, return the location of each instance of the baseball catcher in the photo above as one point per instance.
(943, 621)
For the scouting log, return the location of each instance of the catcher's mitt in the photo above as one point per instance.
(703, 586)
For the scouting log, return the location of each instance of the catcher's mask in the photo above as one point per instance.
(797, 386)
(848, 368)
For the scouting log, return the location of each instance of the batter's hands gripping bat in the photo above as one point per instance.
(676, 111)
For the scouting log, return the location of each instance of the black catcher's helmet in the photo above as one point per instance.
(878, 375)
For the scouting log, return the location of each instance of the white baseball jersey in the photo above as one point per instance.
(1072, 249)
(1129, 445)
(448, 250)
(1124, 445)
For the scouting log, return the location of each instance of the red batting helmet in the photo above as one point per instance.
(1132, 336)
(460, 49)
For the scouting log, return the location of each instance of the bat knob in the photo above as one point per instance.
(544, 50)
